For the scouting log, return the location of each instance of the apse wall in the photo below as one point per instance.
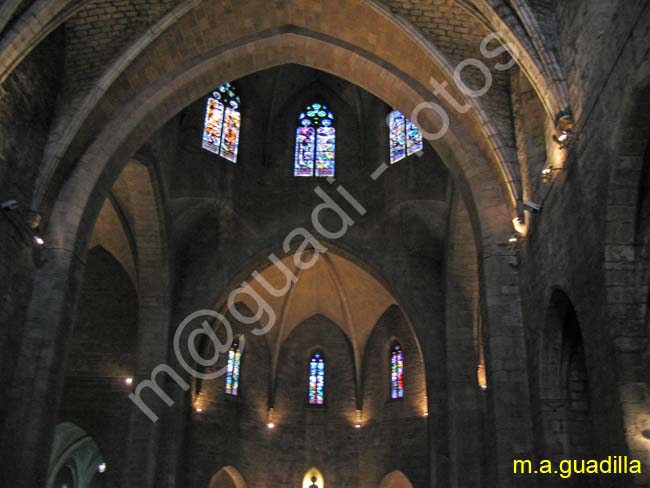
(233, 431)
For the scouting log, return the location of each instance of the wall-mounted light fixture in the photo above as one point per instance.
(270, 423)
(357, 424)
(519, 226)
(128, 381)
(564, 131)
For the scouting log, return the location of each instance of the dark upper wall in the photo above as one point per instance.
(225, 213)
(27, 103)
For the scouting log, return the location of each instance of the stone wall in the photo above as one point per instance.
(27, 102)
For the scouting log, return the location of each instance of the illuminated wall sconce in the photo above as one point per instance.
(547, 174)
(481, 377)
(564, 131)
(270, 423)
(519, 226)
(357, 424)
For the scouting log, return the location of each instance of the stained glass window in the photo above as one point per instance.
(222, 122)
(405, 138)
(317, 379)
(397, 371)
(315, 142)
(232, 369)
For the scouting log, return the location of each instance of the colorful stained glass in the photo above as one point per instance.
(397, 372)
(315, 142)
(304, 159)
(213, 125)
(325, 151)
(222, 123)
(317, 380)
(413, 138)
(397, 136)
(232, 369)
(405, 138)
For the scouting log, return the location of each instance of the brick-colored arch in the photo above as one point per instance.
(184, 38)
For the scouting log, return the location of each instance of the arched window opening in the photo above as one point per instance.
(315, 142)
(232, 369)
(405, 138)
(222, 123)
(317, 379)
(396, 371)
(313, 479)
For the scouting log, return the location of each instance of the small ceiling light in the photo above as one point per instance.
(357, 426)
(128, 381)
(426, 414)
(101, 468)
(271, 425)
(198, 410)
(38, 241)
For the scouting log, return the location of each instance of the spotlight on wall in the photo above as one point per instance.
(533, 207)
(564, 131)
(9, 205)
(269, 420)
(357, 424)
(519, 226)
(101, 467)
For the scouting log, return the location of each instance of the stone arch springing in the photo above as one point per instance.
(227, 477)
(76, 460)
(395, 479)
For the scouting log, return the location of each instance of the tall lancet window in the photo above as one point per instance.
(405, 138)
(222, 123)
(232, 369)
(315, 142)
(396, 371)
(317, 379)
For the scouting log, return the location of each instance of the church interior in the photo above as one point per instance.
(324, 243)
